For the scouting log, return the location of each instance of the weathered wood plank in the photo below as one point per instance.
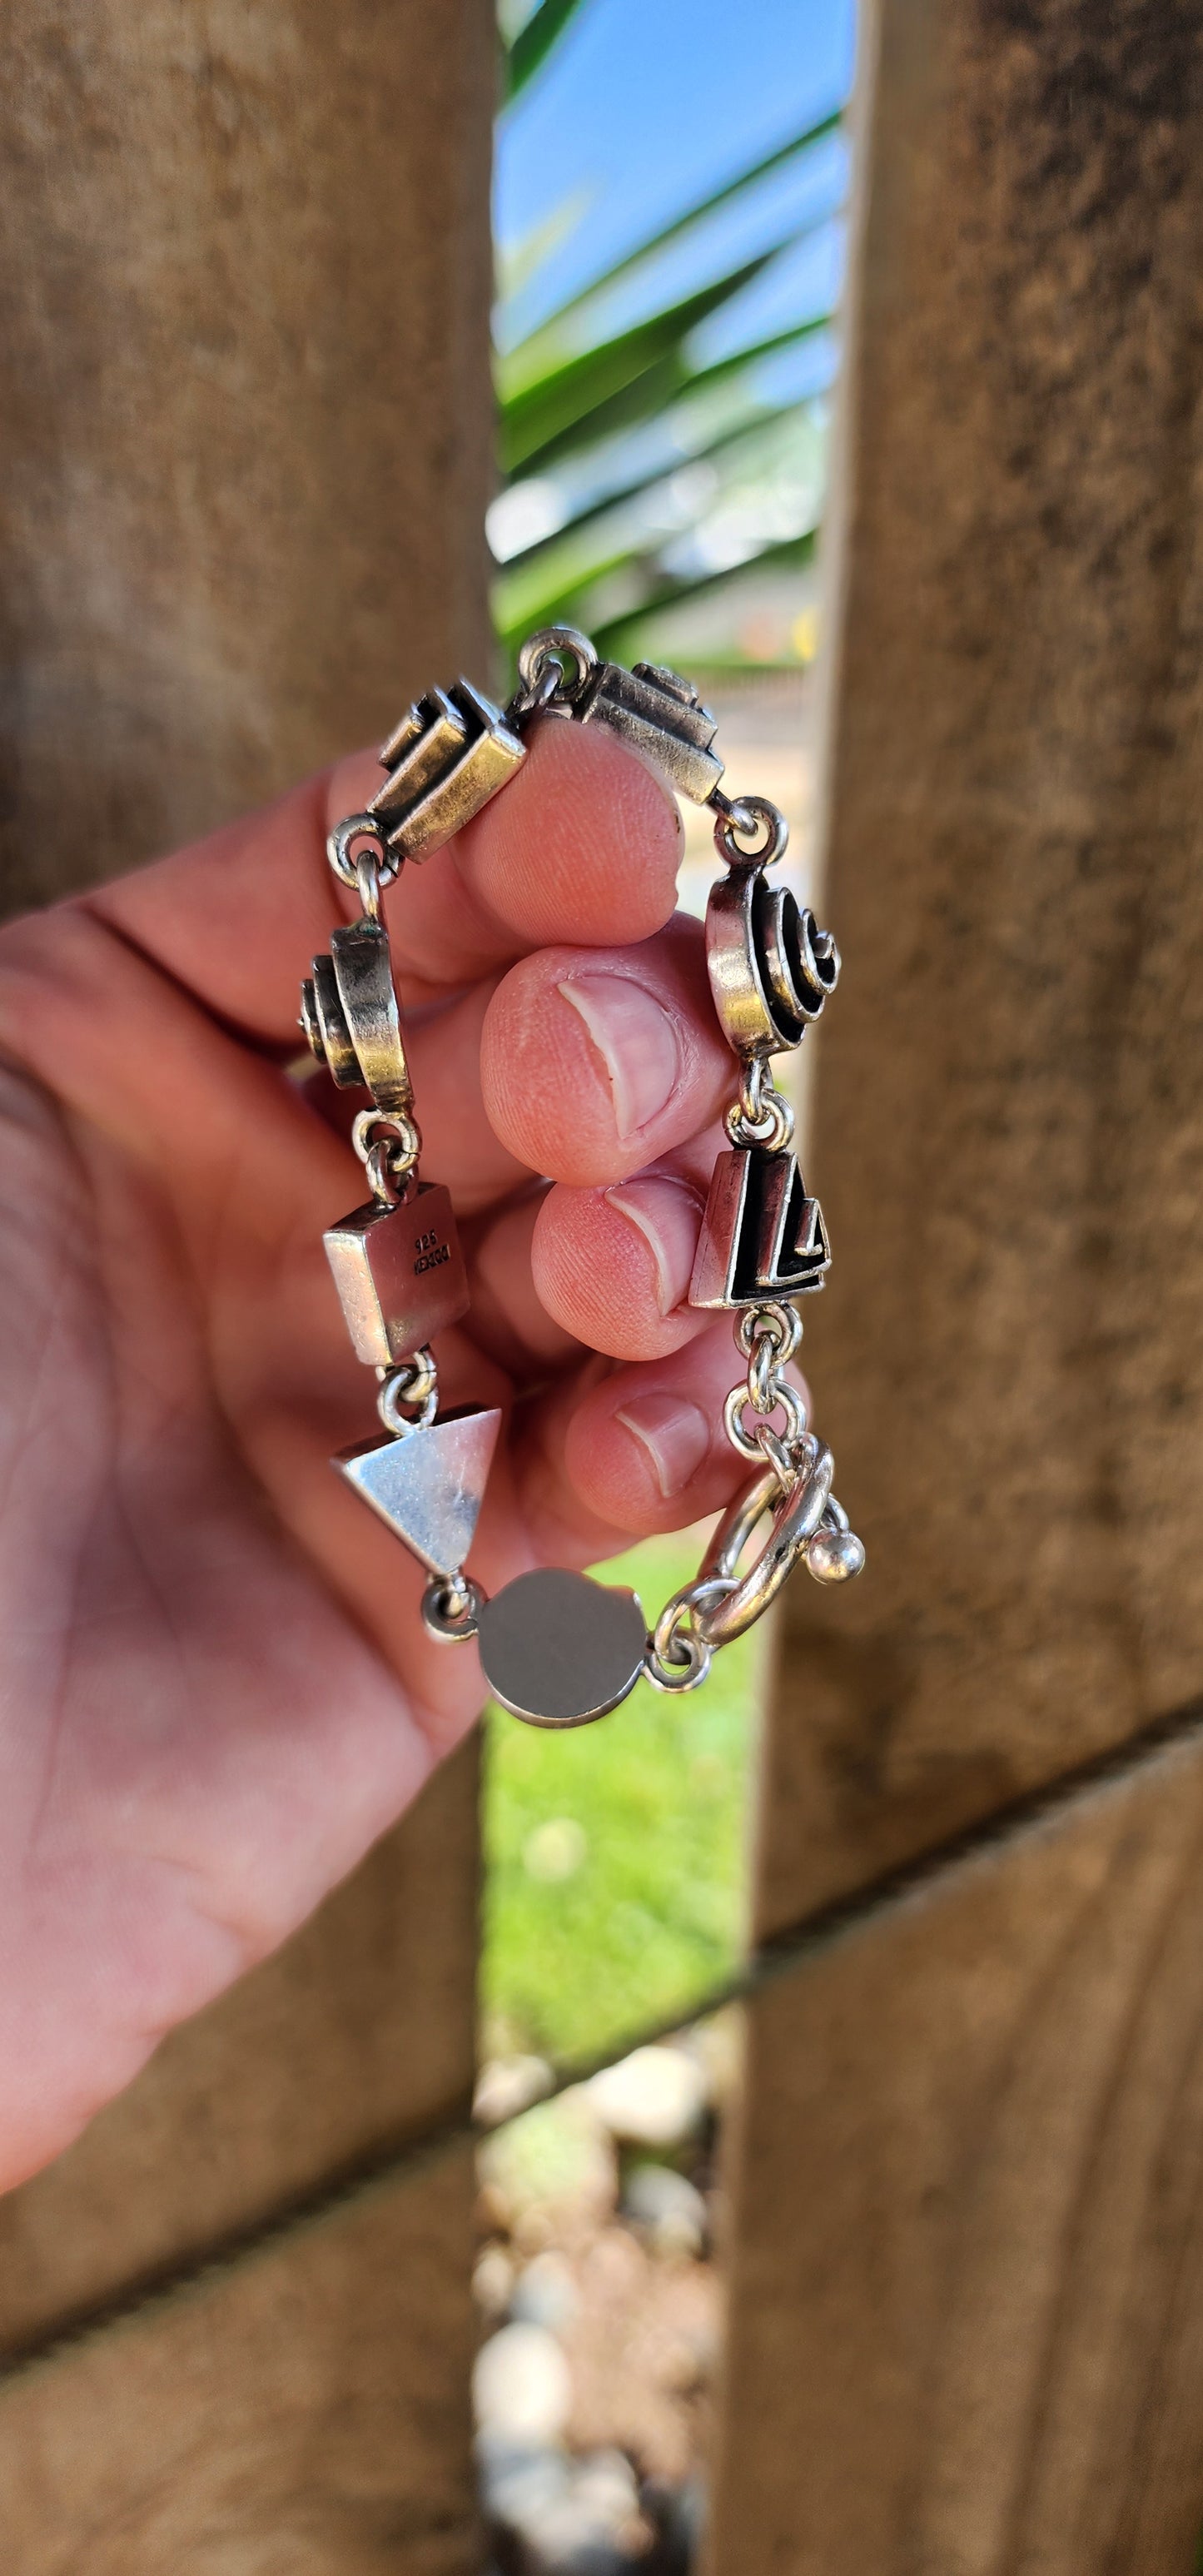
(304, 2414)
(966, 2236)
(244, 271)
(245, 409)
(1009, 1121)
(965, 2332)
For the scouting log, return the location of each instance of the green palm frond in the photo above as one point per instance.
(602, 424)
(524, 54)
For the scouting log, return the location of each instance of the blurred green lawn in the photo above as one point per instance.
(616, 1854)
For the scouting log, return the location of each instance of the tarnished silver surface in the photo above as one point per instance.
(771, 967)
(449, 754)
(553, 667)
(399, 1272)
(558, 1649)
(761, 1236)
(660, 715)
(350, 1017)
(429, 1484)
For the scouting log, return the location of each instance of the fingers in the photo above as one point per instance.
(595, 1063)
(613, 1266)
(583, 845)
(632, 1452)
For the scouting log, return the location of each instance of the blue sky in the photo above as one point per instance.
(647, 105)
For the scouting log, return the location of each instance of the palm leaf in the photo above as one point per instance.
(752, 415)
(695, 214)
(618, 640)
(531, 46)
(624, 379)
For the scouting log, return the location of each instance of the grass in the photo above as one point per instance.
(615, 1854)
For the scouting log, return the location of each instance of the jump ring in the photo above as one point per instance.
(566, 645)
(766, 819)
(776, 1318)
(451, 1608)
(677, 1658)
(400, 1135)
(360, 827)
(415, 1382)
(747, 1442)
(380, 1177)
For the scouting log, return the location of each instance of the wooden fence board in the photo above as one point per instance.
(965, 2242)
(1008, 1140)
(245, 272)
(967, 2317)
(301, 2417)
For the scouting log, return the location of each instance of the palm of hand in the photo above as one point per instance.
(218, 1688)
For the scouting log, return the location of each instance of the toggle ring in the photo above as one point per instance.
(796, 1517)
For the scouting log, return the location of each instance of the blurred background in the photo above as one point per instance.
(668, 211)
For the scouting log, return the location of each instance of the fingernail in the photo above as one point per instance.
(665, 1211)
(636, 1039)
(675, 1433)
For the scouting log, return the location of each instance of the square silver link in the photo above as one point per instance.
(399, 1272)
(659, 714)
(448, 756)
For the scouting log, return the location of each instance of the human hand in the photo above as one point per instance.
(217, 1690)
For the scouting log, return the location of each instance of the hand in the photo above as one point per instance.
(217, 1688)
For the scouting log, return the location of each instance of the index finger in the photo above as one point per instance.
(582, 846)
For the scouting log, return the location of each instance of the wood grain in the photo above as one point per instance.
(245, 408)
(244, 275)
(1008, 1358)
(966, 2332)
(966, 2246)
(304, 2417)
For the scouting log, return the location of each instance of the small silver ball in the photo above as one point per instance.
(834, 1556)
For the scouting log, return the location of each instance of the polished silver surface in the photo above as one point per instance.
(771, 968)
(448, 756)
(796, 1515)
(399, 1272)
(761, 1236)
(429, 1484)
(835, 1556)
(558, 1649)
(660, 715)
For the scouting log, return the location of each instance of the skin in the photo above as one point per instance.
(216, 1690)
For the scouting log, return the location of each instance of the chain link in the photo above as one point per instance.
(414, 1382)
(339, 846)
(760, 1115)
(678, 1658)
(388, 1145)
